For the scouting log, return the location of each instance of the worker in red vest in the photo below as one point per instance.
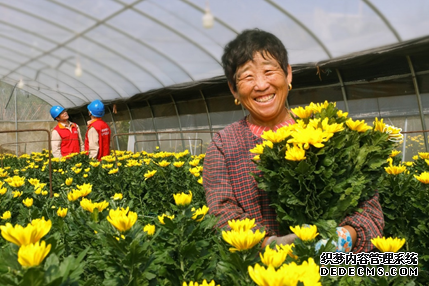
(65, 137)
(97, 138)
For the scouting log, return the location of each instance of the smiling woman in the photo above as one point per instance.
(259, 77)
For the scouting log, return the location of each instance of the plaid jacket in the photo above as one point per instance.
(232, 193)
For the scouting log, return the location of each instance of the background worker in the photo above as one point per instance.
(65, 137)
(97, 138)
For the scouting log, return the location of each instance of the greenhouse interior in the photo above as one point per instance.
(311, 169)
(158, 70)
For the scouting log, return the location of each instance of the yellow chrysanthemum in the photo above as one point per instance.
(6, 215)
(117, 197)
(88, 205)
(161, 218)
(267, 276)
(16, 193)
(340, 113)
(259, 148)
(77, 171)
(388, 244)
(16, 181)
(94, 164)
(278, 136)
(69, 181)
(423, 177)
(201, 211)
(394, 153)
(204, 283)
(87, 170)
(273, 257)
(107, 166)
(395, 170)
(194, 162)
(62, 212)
(200, 180)
(242, 240)
(3, 191)
(149, 174)
(302, 112)
(305, 233)
(149, 229)
(84, 189)
(164, 163)
(32, 233)
(310, 136)
(331, 128)
(307, 273)
(317, 107)
(296, 153)
(28, 202)
(33, 182)
(395, 134)
(288, 248)
(183, 199)
(73, 195)
(3, 173)
(178, 164)
(423, 155)
(33, 254)
(379, 125)
(113, 171)
(358, 125)
(122, 219)
(242, 225)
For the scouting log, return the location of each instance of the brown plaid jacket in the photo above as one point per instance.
(232, 193)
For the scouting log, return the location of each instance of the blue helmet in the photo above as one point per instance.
(96, 108)
(56, 111)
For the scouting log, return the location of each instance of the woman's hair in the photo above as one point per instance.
(243, 48)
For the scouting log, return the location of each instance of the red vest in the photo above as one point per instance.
(103, 131)
(69, 140)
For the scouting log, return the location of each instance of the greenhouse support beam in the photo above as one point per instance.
(114, 127)
(180, 122)
(153, 122)
(343, 89)
(132, 124)
(419, 101)
(208, 114)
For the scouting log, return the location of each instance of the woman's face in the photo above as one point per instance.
(262, 88)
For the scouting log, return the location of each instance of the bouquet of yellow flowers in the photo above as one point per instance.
(317, 170)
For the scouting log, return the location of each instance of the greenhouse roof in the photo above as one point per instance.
(72, 52)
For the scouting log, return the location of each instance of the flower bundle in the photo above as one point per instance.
(317, 170)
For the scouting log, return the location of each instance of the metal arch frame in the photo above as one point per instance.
(175, 32)
(44, 53)
(215, 18)
(419, 100)
(299, 23)
(129, 36)
(384, 19)
(114, 127)
(38, 91)
(82, 34)
(325, 49)
(178, 119)
(132, 124)
(208, 114)
(90, 59)
(153, 121)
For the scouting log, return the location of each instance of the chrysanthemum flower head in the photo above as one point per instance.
(388, 244)
(305, 233)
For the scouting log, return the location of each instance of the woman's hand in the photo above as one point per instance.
(280, 240)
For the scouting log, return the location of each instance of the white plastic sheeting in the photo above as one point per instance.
(129, 47)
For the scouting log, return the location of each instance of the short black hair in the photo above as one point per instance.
(243, 48)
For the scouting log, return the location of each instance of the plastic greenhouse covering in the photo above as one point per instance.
(157, 68)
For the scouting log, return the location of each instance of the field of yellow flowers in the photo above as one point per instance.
(141, 219)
